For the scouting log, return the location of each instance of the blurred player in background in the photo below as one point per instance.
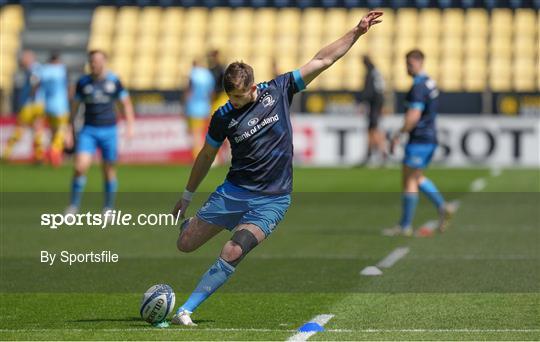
(373, 96)
(422, 101)
(217, 69)
(198, 96)
(256, 194)
(31, 110)
(53, 80)
(98, 91)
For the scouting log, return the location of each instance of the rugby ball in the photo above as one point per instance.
(157, 303)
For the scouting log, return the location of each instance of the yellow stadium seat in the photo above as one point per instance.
(100, 42)
(476, 22)
(501, 22)
(263, 46)
(525, 46)
(429, 23)
(262, 67)
(12, 18)
(146, 45)
(431, 66)
(453, 22)
(166, 82)
(380, 47)
(126, 20)
(475, 47)
(169, 44)
(500, 74)
(474, 76)
(9, 44)
(123, 44)
(450, 74)
(243, 17)
(429, 45)
(452, 46)
(219, 21)
(335, 22)
(218, 41)
(103, 20)
(385, 66)
(404, 45)
(354, 73)
(9, 64)
(359, 49)
(195, 21)
(525, 20)
(149, 20)
(172, 21)
(524, 74)
(311, 22)
(6, 83)
(266, 21)
(406, 22)
(400, 80)
(500, 46)
(288, 21)
(286, 64)
(332, 79)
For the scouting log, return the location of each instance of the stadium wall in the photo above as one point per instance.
(340, 141)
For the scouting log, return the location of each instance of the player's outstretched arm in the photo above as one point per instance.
(202, 164)
(331, 53)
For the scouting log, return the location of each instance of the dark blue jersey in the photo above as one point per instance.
(99, 96)
(260, 135)
(423, 96)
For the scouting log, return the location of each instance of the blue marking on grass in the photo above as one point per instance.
(311, 327)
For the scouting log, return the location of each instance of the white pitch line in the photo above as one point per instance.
(393, 257)
(182, 330)
(303, 336)
(478, 185)
(430, 330)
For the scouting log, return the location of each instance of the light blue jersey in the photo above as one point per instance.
(198, 105)
(31, 78)
(54, 84)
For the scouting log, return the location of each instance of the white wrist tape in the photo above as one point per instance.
(187, 195)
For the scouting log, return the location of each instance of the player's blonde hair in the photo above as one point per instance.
(238, 75)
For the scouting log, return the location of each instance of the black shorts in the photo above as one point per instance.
(375, 109)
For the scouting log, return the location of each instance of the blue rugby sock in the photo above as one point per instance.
(430, 190)
(216, 276)
(409, 202)
(77, 187)
(111, 186)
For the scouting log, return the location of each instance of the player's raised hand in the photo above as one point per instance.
(370, 19)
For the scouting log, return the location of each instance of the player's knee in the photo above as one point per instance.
(231, 252)
(184, 243)
(241, 243)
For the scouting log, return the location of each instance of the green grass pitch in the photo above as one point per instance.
(478, 281)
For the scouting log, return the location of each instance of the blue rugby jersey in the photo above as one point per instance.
(260, 134)
(424, 96)
(99, 96)
(54, 82)
(31, 77)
